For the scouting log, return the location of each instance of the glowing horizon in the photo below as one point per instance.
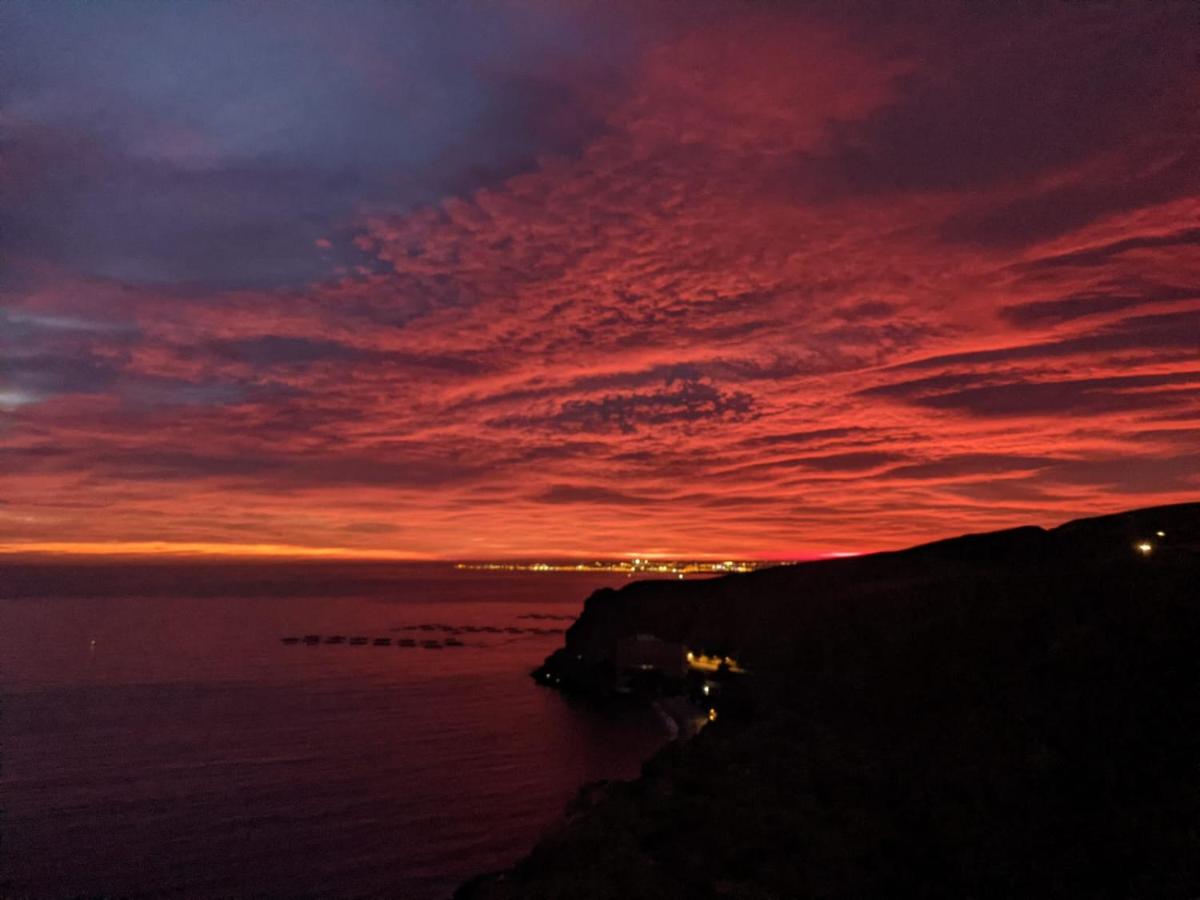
(183, 550)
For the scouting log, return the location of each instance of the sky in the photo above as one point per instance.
(482, 280)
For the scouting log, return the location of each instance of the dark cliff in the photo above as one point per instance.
(1007, 714)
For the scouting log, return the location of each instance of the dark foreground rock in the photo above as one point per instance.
(1003, 715)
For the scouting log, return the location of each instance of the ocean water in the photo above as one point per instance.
(159, 740)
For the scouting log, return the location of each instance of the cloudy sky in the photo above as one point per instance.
(481, 280)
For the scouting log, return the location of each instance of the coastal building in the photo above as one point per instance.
(703, 662)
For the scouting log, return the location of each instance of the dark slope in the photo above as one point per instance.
(1010, 714)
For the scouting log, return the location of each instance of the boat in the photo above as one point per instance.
(358, 641)
(382, 642)
(291, 640)
(335, 639)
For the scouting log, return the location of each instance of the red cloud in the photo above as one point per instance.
(706, 332)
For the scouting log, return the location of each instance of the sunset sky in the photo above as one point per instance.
(487, 280)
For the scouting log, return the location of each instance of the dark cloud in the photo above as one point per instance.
(1104, 253)
(175, 392)
(76, 371)
(1045, 214)
(372, 528)
(1184, 437)
(1004, 97)
(262, 469)
(691, 403)
(816, 435)
(867, 309)
(1132, 474)
(580, 493)
(1076, 306)
(1003, 490)
(1169, 331)
(213, 144)
(273, 350)
(44, 374)
(983, 396)
(854, 461)
(969, 464)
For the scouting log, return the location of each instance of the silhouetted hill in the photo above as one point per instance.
(997, 715)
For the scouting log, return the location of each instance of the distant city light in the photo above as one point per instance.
(677, 567)
(712, 715)
(1161, 533)
(1145, 548)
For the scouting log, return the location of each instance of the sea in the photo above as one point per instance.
(158, 738)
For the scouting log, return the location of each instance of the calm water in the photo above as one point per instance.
(188, 752)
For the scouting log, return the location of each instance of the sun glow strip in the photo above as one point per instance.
(197, 548)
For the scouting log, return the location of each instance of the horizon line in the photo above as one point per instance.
(215, 551)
